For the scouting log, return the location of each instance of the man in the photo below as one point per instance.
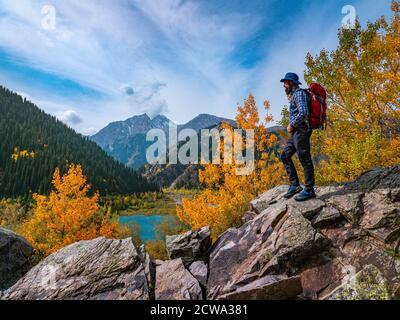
(299, 140)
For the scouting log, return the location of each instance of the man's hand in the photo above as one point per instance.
(289, 128)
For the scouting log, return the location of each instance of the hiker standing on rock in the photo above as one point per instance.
(300, 132)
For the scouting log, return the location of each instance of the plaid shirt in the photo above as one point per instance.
(298, 109)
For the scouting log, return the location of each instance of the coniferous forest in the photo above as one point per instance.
(34, 143)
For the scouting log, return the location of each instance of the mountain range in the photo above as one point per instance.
(126, 140)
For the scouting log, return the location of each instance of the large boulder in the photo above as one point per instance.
(296, 244)
(239, 248)
(352, 249)
(321, 242)
(381, 216)
(175, 282)
(326, 217)
(99, 269)
(199, 270)
(190, 246)
(376, 178)
(349, 204)
(270, 197)
(309, 209)
(280, 240)
(15, 258)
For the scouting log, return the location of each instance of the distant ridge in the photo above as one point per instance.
(126, 140)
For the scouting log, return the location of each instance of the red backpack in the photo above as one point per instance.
(317, 106)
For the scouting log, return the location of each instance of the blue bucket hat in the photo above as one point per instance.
(291, 77)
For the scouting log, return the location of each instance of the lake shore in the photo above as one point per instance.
(165, 206)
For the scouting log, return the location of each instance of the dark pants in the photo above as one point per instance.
(299, 142)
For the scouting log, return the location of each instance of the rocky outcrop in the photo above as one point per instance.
(190, 246)
(185, 276)
(342, 245)
(175, 282)
(279, 241)
(318, 244)
(15, 258)
(199, 270)
(96, 270)
(368, 284)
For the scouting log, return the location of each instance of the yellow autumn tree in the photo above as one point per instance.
(67, 215)
(363, 84)
(21, 154)
(227, 194)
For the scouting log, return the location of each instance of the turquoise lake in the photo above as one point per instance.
(147, 224)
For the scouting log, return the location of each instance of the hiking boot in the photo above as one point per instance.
(306, 195)
(292, 191)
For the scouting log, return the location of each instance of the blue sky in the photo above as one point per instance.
(108, 60)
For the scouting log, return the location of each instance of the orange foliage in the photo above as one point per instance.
(227, 195)
(363, 82)
(68, 215)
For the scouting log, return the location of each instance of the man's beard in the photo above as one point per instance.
(288, 91)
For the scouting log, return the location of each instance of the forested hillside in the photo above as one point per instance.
(34, 143)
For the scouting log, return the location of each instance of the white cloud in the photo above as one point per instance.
(106, 44)
(89, 131)
(153, 56)
(69, 117)
(25, 95)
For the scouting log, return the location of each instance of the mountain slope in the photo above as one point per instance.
(121, 131)
(180, 176)
(177, 176)
(126, 140)
(203, 121)
(24, 127)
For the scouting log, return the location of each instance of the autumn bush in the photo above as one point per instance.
(67, 215)
(363, 84)
(227, 195)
